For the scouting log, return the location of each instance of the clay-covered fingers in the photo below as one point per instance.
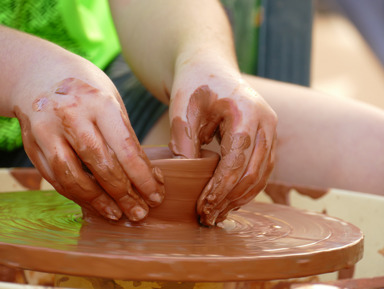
(241, 174)
(31, 147)
(197, 126)
(96, 126)
(247, 127)
(60, 165)
(92, 151)
(80, 186)
(120, 138)
(236, 150)
(249, 187)
(90, 146)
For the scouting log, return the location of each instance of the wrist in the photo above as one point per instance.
(208, 56)
(205, 68)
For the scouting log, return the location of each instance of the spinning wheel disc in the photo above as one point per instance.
(43, 231)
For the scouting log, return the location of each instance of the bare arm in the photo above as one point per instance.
(158, 36)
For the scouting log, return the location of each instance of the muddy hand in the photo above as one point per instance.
(81, 140)
(246, 127)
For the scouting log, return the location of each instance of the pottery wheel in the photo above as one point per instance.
(43, 231)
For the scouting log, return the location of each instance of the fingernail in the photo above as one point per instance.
(113, 214)
(138, 213)
(156, 198)
(112, 217)
(107, 208)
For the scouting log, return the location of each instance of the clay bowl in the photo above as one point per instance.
(184, 180)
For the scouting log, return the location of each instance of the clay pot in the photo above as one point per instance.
(184, 180)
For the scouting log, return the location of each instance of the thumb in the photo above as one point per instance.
(184, 139)
(190, 123)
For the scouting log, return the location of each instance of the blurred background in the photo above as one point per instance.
(347, 44)
(335, 46)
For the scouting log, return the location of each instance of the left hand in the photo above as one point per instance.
(205, 101)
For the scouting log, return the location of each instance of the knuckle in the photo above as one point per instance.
(39, 127)
(60, 167)
(116, 191)
(145, 185)
(109, 103)
(130, 153)
(253, 174)
(88, 141)
(68, 177)
(270, 118)
(273, 118)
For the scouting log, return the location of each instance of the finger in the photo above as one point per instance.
(230, 206)
(121, 138)
(74, 182)
(259, 166)
(193, 124)
(183, 142)
(34, 151)
(236, 204)
(253, 191)
(90, 146)
(255, 169)
(81, 186)
(236, 150)
(41, 163)
(249, 179)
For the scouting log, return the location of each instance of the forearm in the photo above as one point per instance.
(157, 36)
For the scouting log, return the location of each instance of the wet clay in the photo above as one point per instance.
(29, 178)
(44, 231)
(279, 193)
(184, 180)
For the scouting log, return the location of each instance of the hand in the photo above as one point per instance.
(77, 133)
(205, 103)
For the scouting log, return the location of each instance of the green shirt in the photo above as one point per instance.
(84, 27)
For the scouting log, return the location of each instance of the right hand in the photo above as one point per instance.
(77, 133)
(209, 97)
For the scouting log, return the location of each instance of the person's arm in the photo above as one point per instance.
(75, 128)
(158, 36)
(183, 52)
